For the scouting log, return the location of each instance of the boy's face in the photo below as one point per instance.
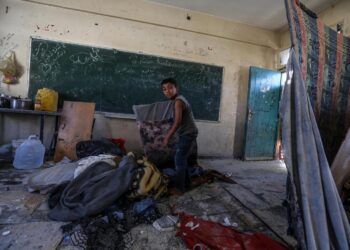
(169, 90)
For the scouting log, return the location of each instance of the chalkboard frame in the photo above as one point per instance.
(128, 115)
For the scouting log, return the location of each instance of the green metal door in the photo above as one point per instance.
(262, 114)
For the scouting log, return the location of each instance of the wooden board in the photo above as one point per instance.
(75, 126)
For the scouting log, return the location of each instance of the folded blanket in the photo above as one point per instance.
(49, 178)
(94, 190)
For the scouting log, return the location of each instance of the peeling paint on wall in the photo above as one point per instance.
(7, 44)
(167, 37)
(202, 52)
(49, 28)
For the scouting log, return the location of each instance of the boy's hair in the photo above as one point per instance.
(169, 80)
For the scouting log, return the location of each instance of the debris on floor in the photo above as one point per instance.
(131, 222)
(166, 223)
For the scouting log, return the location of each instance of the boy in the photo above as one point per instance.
(185, 127)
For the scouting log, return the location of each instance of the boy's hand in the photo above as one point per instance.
(165, 141)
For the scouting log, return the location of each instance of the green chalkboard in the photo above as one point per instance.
(115, 80)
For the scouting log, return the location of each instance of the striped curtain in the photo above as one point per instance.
(324, 57)
(315, 115)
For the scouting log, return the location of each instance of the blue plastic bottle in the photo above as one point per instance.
(30, 154)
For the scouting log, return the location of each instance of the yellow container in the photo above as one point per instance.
(46, 100)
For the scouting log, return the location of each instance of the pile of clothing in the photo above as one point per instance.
(106, 193)
(103, 194)
(91, 185)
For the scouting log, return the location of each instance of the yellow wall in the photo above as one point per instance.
(141, 26)
(339, 12)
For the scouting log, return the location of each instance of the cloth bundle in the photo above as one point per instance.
(98, 187)
(154, 121)
(101, 184)
(148, 182)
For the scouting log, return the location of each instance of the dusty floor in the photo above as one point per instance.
(253, 204)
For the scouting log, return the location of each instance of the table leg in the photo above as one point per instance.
(2, 126)
(42, 122)
(54, 139)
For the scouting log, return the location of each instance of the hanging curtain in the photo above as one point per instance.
(315, 117)
(324, 58)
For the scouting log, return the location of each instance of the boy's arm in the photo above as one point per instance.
(179, 105)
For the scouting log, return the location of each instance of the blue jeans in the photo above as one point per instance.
(182, 169)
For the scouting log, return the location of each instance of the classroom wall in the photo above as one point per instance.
(337, 13)
(141, 26)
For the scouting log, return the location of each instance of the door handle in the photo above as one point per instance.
(250, 114)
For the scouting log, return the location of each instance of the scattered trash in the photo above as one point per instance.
(5, 233)
(5, 149)
(119, 215)
(143, 206)
(195, 171)
(67, 238)
(64, 160)
(228, 223)
(169, 172)
(6, 152)
(227, 174)
(95, 233)
(166, 223)
(120, 142)
(191, 225)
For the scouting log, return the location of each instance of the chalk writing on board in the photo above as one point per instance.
(115, 80)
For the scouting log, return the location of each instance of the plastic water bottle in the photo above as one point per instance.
(30, 154)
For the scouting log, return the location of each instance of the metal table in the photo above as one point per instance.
(42, 115)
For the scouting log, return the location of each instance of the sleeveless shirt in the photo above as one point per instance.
(187, 126)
